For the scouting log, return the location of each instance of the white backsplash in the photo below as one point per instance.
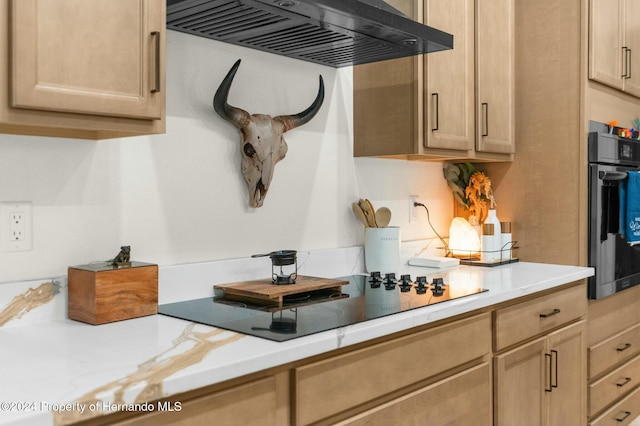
(179, 197)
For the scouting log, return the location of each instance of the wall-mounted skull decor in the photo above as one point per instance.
(262, 142)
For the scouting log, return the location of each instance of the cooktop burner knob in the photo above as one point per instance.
(421, 287)
(405, 283)
(375, 279)
(390, 281)
(437, 286)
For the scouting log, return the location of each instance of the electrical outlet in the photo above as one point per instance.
(15, 226)
(17, 229)
(412, 209)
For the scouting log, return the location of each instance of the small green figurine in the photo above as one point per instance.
(123, 258)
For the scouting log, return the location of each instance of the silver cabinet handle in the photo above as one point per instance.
(612, 175)
(156, 78)
(625, 65)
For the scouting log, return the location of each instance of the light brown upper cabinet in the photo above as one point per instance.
(85, 69)
(614, 44)
(454, 104)
(450, 77)
(495, 76)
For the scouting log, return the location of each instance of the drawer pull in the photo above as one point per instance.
(548, 357)
(623, 382)
(556, 311)
(623, 347)
(624, 416)
(556, 367)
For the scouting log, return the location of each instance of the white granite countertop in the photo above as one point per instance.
(61, 371)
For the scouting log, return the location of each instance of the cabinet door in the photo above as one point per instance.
(521, 377)
(387, 101)
(605, 42)
(450, 78)
(632, 43)
(567, 399)
(90, 57)
(495, 68)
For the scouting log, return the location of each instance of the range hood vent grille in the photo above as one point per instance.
(310, 30)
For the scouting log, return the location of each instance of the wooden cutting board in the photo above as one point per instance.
(264, 289)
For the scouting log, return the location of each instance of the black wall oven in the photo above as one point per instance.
(616, 262)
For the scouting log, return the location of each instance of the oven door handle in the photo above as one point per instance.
(612, 175)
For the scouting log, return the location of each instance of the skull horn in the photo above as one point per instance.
(238, 117)
(293, 121)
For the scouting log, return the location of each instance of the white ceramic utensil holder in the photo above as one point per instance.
(382, 249)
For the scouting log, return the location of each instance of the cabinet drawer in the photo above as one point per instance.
(613, 351)
(386, 367)
(527, 319)
(622, 414)
(612, 315)
(613, 385)
(463, 399)
(262, 402)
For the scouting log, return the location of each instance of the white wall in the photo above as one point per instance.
(180, 197)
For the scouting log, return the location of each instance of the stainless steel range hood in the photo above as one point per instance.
(337, 33)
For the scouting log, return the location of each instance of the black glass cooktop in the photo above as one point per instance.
(361, 300)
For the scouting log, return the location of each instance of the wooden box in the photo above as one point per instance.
(102, 293)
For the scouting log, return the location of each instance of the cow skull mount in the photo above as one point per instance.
(262, 142)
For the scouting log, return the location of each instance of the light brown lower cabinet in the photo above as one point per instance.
(568, 397)
(614, 359)
(543, 382)
(464, 399)
(520, 377)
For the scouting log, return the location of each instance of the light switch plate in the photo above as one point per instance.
(16, 228)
